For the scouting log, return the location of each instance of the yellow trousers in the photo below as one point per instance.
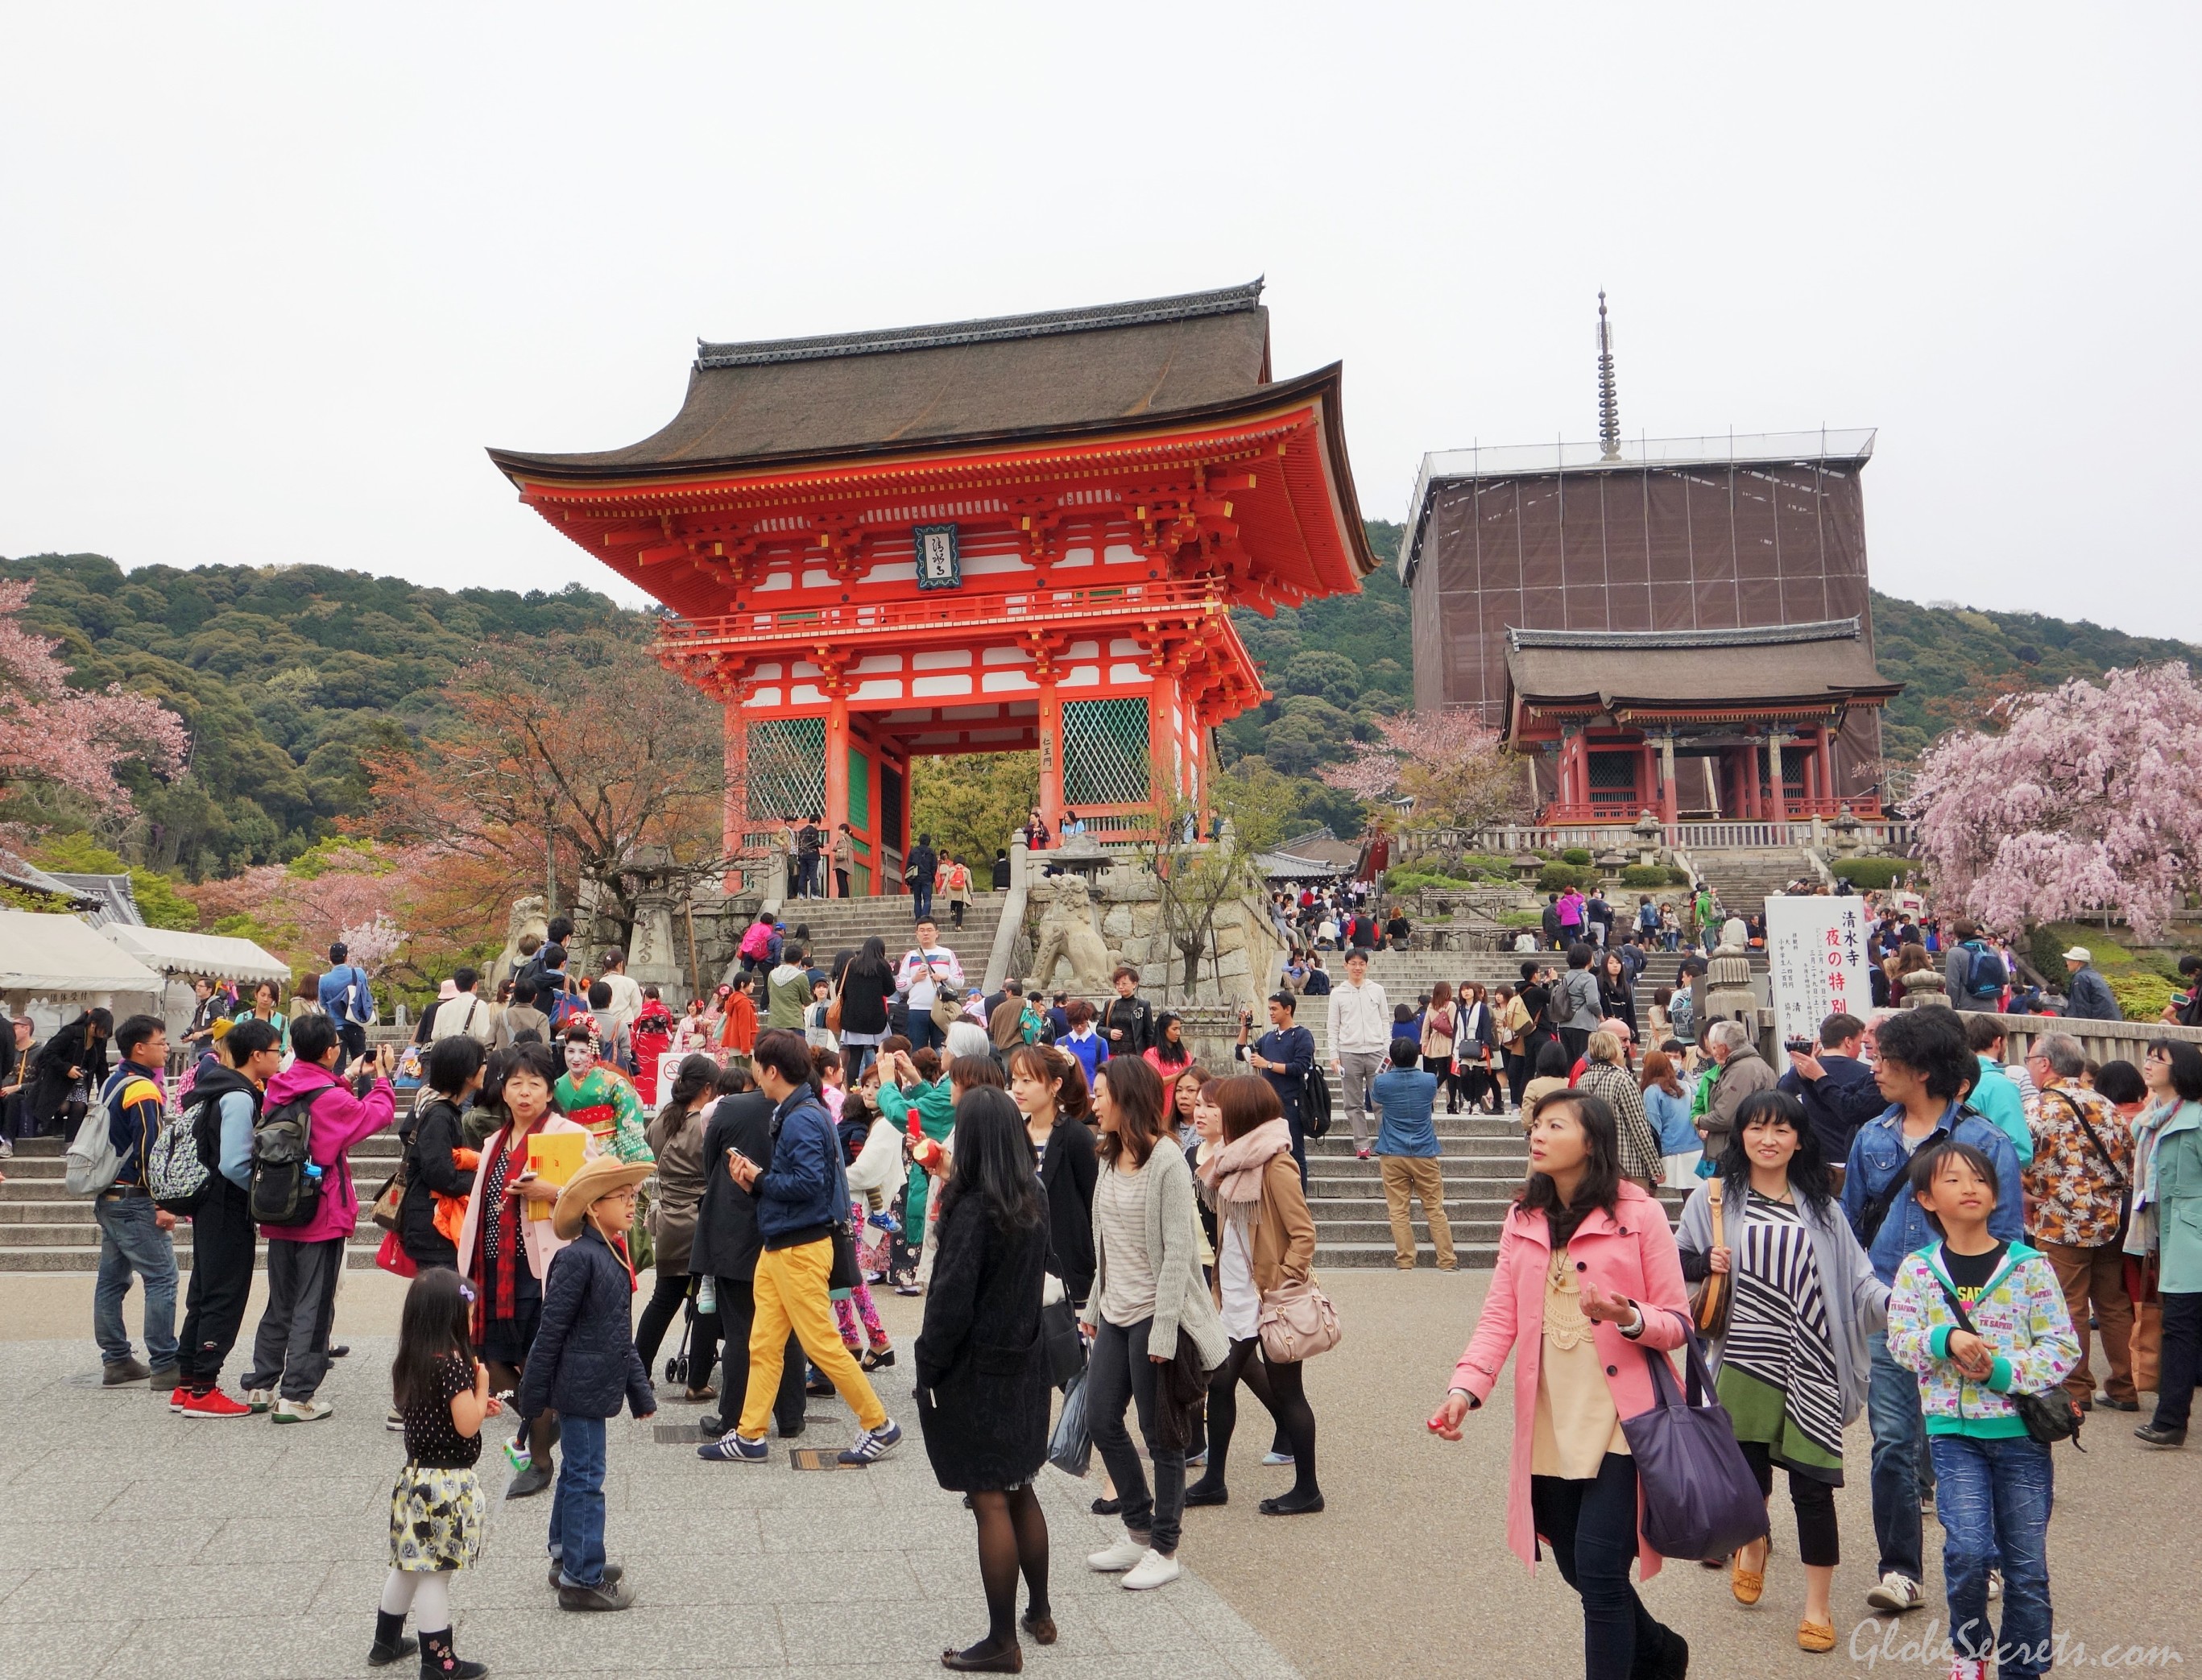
(792, 1295)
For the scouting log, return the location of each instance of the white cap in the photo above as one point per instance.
(2079, 954)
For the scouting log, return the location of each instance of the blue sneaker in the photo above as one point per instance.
(731, 1449)
(873, 1445)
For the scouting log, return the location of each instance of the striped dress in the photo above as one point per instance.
(1777, 1377)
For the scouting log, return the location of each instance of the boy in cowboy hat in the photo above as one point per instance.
(583, 1365)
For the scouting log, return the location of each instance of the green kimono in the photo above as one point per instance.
(936, 1118)
(606, 1103)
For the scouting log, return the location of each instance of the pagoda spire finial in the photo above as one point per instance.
(1609, 400)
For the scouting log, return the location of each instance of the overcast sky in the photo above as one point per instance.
(271, 278)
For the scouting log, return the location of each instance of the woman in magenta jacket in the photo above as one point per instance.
(1588, 1281)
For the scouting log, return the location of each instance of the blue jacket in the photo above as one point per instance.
(1878, 1155)
(1404, 1098)
(805, 1192)
(339, 986)
(2089, 998)
(583, 1363)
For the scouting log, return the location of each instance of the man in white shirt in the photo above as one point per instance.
(1360, 1025)
(626, 994)
(924, 969)
(464, 1013)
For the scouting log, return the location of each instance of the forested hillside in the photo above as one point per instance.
(285, 675)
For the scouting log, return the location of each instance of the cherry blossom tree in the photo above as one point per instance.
(2076, 800)
(372, 944)
(56, 737)
(1448, 762)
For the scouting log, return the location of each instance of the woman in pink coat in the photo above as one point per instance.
(1588, 1283)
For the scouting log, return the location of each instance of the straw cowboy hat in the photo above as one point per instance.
(596, 1180)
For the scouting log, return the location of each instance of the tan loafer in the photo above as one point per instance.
(1747, 1584)
(1815, 1636)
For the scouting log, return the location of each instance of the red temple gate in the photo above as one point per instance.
(1017, 533)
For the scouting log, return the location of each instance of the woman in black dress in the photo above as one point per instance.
(982, 1382)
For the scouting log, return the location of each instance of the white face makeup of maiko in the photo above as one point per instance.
(580, 1058)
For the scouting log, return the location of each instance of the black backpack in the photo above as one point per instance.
(286, 1184)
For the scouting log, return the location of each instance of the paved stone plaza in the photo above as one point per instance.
(135, 1545)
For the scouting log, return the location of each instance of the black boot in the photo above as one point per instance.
(390, 1640)
(438, 1661)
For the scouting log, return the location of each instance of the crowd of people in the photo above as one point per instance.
(1898, 1223)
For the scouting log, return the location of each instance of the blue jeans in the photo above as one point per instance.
(924, 1034)
(577, 1503)
(1892, 1410)
(1993, 1497)
(130, 1242)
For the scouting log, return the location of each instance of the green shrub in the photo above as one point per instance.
(1558, 878)
(1648, 875)
(1487, 864)
(1870, 874)
(2045, 951)
(2141, 995)
(1577, 855)
(1521, 918)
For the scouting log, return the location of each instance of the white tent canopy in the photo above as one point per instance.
(61, 956)
(215, 956)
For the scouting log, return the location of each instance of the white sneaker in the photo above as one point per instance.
(1120, 1555)
(1153, 1570)
(301, 1411)
(1895, 1591)
(259, 1398)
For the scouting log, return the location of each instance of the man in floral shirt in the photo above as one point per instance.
(2076, 1193)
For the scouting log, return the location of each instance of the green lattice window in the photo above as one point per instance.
(787, 768)
(1105, 752)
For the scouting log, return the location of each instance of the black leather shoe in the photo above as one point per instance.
(2110, 1403)
(2150, 1435)
(1204, 1492)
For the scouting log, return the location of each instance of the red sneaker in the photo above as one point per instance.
(213, 1403)
(178, 1396)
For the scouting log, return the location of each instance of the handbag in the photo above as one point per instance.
(1066, 1349)
(2049, 1418)
(1700, 1499)
(947, 1008)
(833, 1009)
(1297, 1323)
(1712, 1295)
(843, 1276)
(389, 1198)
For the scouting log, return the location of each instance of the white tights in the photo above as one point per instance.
(425, 1593)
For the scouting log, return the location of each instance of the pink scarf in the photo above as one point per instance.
(1233, 1173)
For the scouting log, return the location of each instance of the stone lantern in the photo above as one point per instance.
(1850, 832)
(1650, 835)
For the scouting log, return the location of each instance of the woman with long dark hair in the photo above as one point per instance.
(1587, 1284)
(1147, 1292)
(1169, 1055)
(1616, 995)
(982, 1383)
(1440, 1026)
(867, 987)
(1475, 1047)
(1049, 1089)
(1792, 1365)
(1265, 1236)
(676, 1138)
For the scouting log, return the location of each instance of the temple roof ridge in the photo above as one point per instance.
(992, 329)
(1740, 635)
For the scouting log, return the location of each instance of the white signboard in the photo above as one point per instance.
(1816, 950)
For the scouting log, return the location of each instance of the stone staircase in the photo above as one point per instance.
(1743, 881)
(844, 924)
(42, 1228)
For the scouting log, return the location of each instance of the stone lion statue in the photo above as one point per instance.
(528, 916)
(1066, 934)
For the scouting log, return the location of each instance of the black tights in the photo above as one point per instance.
(1012, 1538)
(1279, 1388)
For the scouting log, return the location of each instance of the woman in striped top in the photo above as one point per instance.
(1792, 1365)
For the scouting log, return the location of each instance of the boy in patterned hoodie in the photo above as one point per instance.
(1993, 1479)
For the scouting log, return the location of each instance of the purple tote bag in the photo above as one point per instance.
(1700, 1499)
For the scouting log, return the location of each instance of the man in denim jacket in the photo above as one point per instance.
(1924, 1067)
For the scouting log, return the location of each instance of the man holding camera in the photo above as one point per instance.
(1836, 1085)
(1284, 1056)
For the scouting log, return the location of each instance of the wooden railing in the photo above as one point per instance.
(1819, 833)
(1086, 609)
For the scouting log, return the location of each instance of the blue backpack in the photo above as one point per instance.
(1985, 974)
